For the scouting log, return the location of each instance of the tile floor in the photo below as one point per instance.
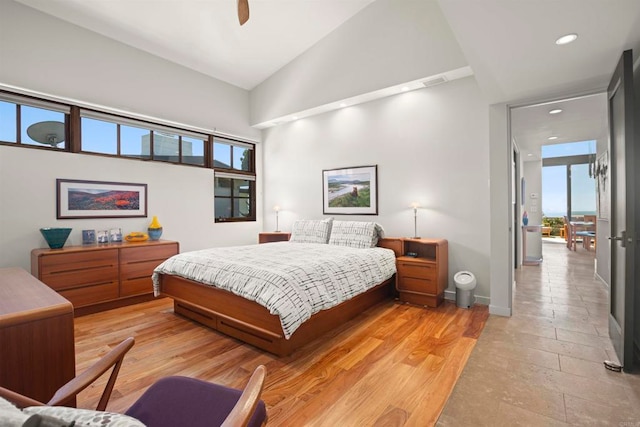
(544, 365)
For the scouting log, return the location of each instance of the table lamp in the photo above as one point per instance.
(277, 209)
(415, 207)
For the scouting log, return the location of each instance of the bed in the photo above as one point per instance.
(246, 291)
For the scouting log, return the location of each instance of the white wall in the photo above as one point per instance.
(388, 43)
(430, 146)
(532, 173)
(501, 223)
(45, 54)
(41, 53)
(181, 197)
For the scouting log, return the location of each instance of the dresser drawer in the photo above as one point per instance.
(136, 286)
(147, 253)
(76, 261)
(101, 277)
(92, 294)
(74, 270)
(417, 270)
(426, 286)
(138, 269)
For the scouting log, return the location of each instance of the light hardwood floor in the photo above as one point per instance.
(544, 365)
(394, 365)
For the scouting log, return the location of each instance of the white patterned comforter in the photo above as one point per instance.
(292, 280)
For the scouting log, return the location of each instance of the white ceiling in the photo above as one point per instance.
(508, 44)
(582, 119)
(205, 35)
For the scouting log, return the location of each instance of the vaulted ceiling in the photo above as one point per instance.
(508, 44)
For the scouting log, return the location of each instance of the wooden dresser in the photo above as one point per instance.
(273, 236)
(423, 271)
(37, 353)
(96, 278)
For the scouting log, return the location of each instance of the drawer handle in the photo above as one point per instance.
(146, 276)
(73, 270)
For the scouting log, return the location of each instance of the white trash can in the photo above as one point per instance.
(465, 285)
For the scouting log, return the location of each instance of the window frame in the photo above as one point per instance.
(235, 174)
(73, 115)
(28, 101)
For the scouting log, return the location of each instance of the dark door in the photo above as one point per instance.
(623, 226)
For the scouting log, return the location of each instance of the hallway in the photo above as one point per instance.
(544, 365)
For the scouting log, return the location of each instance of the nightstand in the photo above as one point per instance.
(273, 236)
(422, 277)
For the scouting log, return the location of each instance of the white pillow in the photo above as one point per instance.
(85, 417)
(311, 231)
(355, 234)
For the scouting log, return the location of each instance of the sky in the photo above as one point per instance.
(554, 181)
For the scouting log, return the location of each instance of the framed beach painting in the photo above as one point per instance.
(350, 191)
(99, 199)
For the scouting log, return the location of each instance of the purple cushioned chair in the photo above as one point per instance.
(181, 401)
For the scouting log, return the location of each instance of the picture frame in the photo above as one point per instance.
(76, 199)
(115, 235)
(88, 237)
(102, 236)
(350, 191)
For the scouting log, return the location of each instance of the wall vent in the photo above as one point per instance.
(435, 81)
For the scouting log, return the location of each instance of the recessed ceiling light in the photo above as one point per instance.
(405, 88)
(342, 105)
(556, 111)
(551, 138)
(567, 39)
(295, 117)
(529, 155)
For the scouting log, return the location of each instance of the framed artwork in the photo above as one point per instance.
(350, 191)
(602, 174)
(99, 199)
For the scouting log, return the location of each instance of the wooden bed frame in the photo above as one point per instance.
(252, 323)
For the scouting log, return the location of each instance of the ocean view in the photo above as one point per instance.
(562, 214)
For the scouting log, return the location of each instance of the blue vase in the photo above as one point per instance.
(155, 233)
(525, 220)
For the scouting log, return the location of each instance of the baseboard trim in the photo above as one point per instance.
(606, 285)
(451, 296)
(500, 311)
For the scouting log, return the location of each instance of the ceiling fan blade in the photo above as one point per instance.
(243, 11)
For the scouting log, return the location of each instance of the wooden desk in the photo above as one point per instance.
(37, 352)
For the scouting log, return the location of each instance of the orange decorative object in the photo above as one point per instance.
(136, 236)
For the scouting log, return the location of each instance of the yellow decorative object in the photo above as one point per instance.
(155, 223)
(136, 236)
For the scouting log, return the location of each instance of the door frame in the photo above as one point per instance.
(622, 331)
(506, 293)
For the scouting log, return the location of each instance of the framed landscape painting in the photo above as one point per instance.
(99, 199)
(350, 191)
